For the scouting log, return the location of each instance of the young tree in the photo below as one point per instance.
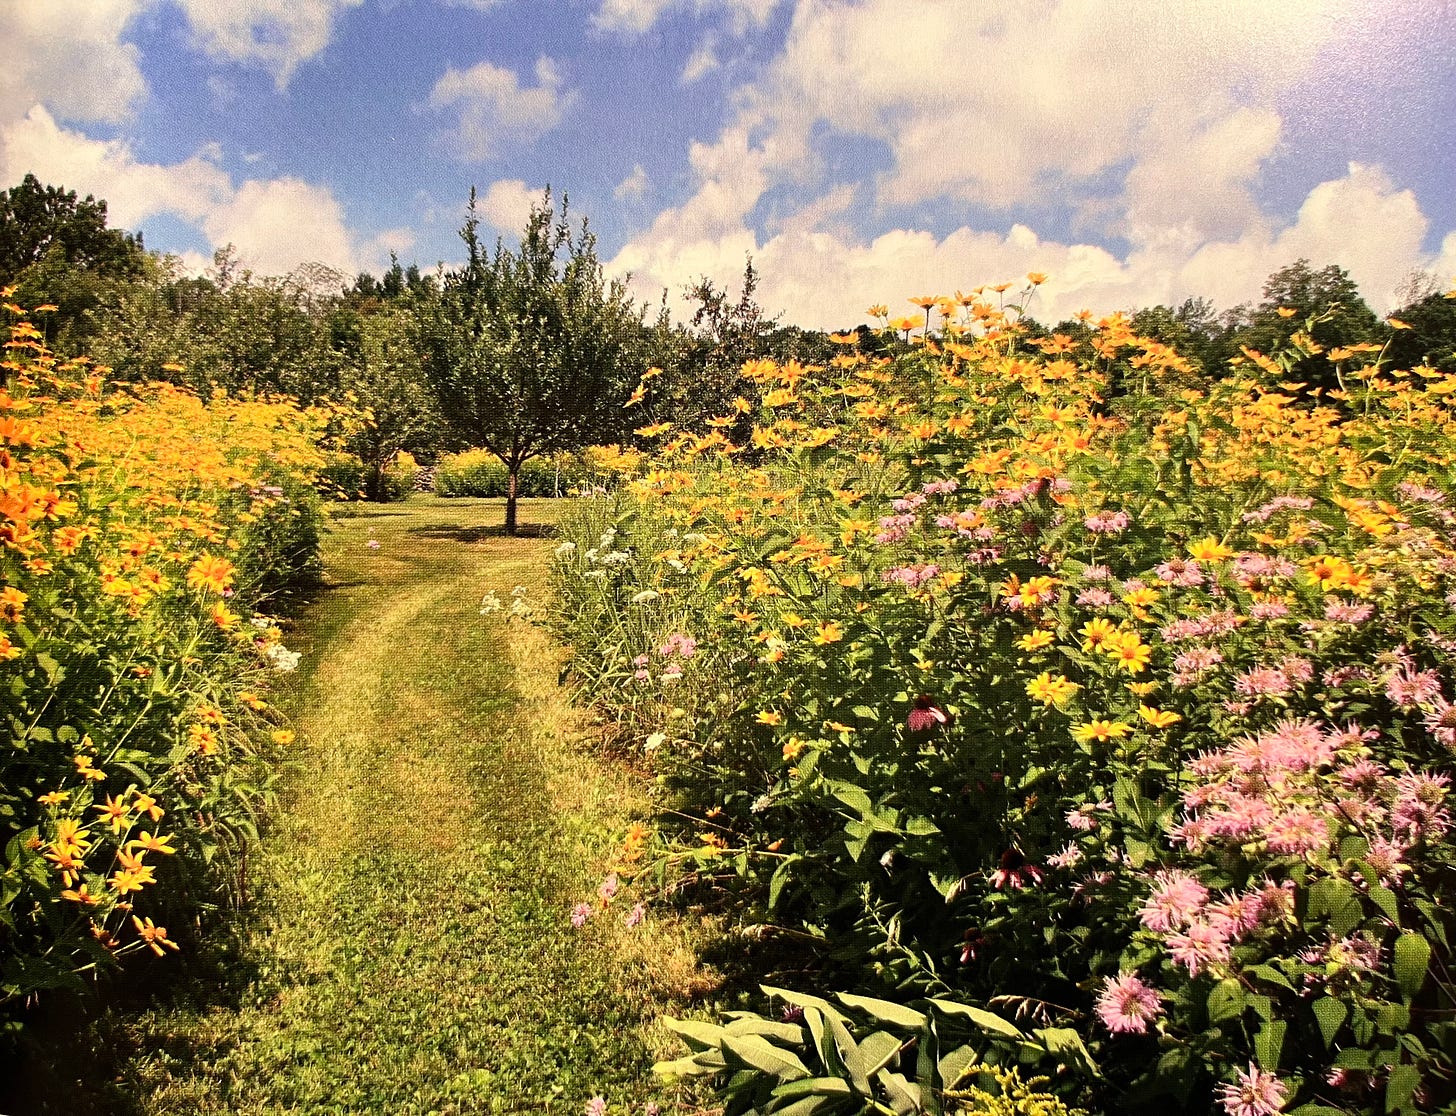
(531, 351)
(1327, 297)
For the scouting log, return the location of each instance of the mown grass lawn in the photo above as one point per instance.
(409, 948)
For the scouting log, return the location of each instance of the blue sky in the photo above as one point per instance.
(859, 151)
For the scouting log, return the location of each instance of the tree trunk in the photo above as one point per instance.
(514, 471)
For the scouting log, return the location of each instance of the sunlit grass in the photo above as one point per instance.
(411, 947)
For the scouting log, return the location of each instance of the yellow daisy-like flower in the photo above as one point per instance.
(1209, 550)
(1098, 634)
(1132, 654)
(1158, 718)
(1051, 689)
(1100, 730)
(769, 717)
(829, 632)
(1035, 641)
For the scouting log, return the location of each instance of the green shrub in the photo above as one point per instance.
(480, 473)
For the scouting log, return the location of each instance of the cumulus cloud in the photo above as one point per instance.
(825, 276)
(494, 109)
(506, 204)
(278, 35)
(638, 16)
(700, 63)
(68, 55)
(634, 187)
(1163, 157)
(276, 224)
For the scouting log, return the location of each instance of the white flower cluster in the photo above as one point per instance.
(280, 658)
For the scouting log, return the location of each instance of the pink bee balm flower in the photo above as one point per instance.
(579, 914)
(608, 888)
(1256, 1093)
(1126, 1005)
(636, 915)
(1203, 945)
(597, 1106)
(1176, 898)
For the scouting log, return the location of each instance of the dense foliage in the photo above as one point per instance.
(147, 539)
(1125, 711)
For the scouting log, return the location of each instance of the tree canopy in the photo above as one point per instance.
(529, 350)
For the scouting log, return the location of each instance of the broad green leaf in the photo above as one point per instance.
(769, 1028)
(986, 1020)
(904, 1097)
(1400, 1088)
(955, 1065)
(780, 878)
(877, 1049)
(699, 1035)
(814, 1087)
(884, 1010)
(1226, 1000)
(764, 1056)
(1269, 1044)
(1330, 1013)
(807, 1106)
(1412, 958)
(694, 1065)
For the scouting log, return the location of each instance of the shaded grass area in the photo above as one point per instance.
(409, 949)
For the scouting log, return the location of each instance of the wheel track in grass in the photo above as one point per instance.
(410, 949)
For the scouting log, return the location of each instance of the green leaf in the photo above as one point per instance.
(769, 1028)
(780, 878)
(986, 1020)
(807, 1106)
(1269, 1044)
(814, 1087)
(1412, 958)
(764, 1056)
(1400, 1088)
(694, 1065)
(698, 1035)
(877, 1049)
(884, 1011)
(1330, 1013)
(904, 1097)
(1270, 974)
(1226, 1000)
(955, 1064)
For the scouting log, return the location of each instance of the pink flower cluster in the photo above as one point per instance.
(1108, 522)
(1126, 1005)
(912, 577)
(1296, 786)
(1210, 624)
(1263, 513)
(1199, 933)
(1180, 572)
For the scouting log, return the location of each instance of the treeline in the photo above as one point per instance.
(528, 349)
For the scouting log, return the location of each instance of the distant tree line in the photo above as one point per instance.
(527, 348)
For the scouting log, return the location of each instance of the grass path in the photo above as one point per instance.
(410, 952)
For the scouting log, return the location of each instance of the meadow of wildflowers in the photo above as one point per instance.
(149, 537)
(1042, 673)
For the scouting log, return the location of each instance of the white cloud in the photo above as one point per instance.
(276, 224)
(700, 63)
(825, 277)
(634, 187)
(68, 55)
(637, 16)
(506, 205)
(278, 35)
(495, 109)
(975, 104)
(477, 5)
